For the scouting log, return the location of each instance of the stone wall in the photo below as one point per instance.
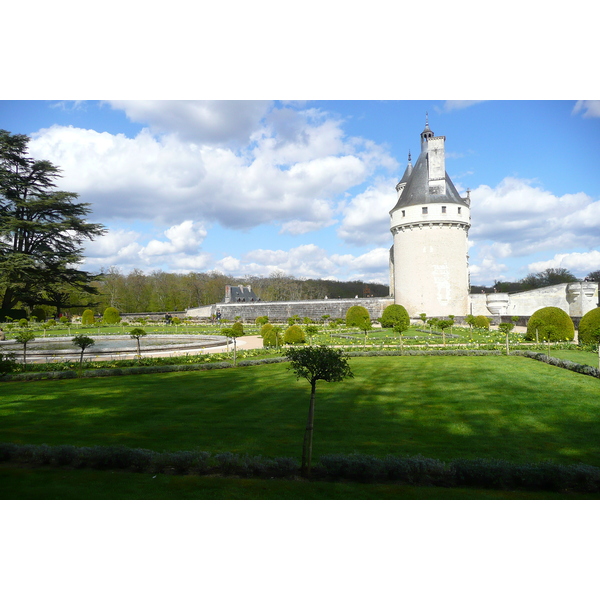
(575, 299)
(281, 311)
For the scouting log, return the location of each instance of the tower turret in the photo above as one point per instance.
(430, 224)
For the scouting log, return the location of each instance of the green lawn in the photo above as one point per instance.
(45, 483)
(509, 408)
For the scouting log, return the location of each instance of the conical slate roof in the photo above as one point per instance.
(416, 190)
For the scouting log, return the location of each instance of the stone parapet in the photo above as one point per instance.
(282, 311)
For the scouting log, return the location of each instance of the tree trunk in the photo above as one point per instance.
(308, 434)
(507, 349)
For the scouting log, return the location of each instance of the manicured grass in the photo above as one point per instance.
(577, 356)
(44, 483)
(444, 407)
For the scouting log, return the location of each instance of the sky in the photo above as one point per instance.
(249, 187)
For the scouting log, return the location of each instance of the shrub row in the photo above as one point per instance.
(559, 362)
(482, 473)
(140, 460)
(412, 470)
(109, 372)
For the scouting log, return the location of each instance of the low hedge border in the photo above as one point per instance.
(412, 470)
(115, 371)
(559, 362)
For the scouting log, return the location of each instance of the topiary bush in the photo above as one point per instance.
(589, 327)
(552, 323)
(294, 335)
(265, 328)
(111, 316)
(238, 328)
(356, 316)
(261, 320)
(396, 313)
(481, 322)
(272, 337)
(87, 318)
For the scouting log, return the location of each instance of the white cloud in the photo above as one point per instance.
(532, 219)
(293, 178)
(518, 218)
(201, 121)
(579, 263)
(591, 108)
(366, 217)
(122, 248)
(311, 261)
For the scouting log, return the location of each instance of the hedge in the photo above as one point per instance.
(589, 327)
(412, 470)
(552, 324)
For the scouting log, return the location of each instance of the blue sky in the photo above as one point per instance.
(250, 187)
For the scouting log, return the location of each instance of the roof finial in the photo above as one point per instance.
(426, 119)
(409, 159)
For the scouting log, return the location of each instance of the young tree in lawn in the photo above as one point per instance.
(365, 326)
(506, 328)
(400, 327)
(83, 342)
(23, 337)
(233, 333)
(311, 330)
(423, 317)
(136, 334)
(470, 321)
(443, 324)
(315, 363)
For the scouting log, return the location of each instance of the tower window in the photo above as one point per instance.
(443, 209)
(403, 213)
(459, 210)
(424, 209)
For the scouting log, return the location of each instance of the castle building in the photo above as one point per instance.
(429, 270)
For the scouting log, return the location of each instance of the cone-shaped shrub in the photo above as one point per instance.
(589, 326)
(552, 323)
(87, 318)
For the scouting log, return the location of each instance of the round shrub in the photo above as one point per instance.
(261, 320)
(396, 313)
(87, 318)
(111, 316)
(552, 323)
(356, 316)
(294, 335)
(481, 322)
(589, 327)
(23, 323)
(265, 328)
(238, 328)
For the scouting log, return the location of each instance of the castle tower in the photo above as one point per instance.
(430, 225)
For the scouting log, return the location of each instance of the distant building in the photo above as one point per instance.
(240, 293)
